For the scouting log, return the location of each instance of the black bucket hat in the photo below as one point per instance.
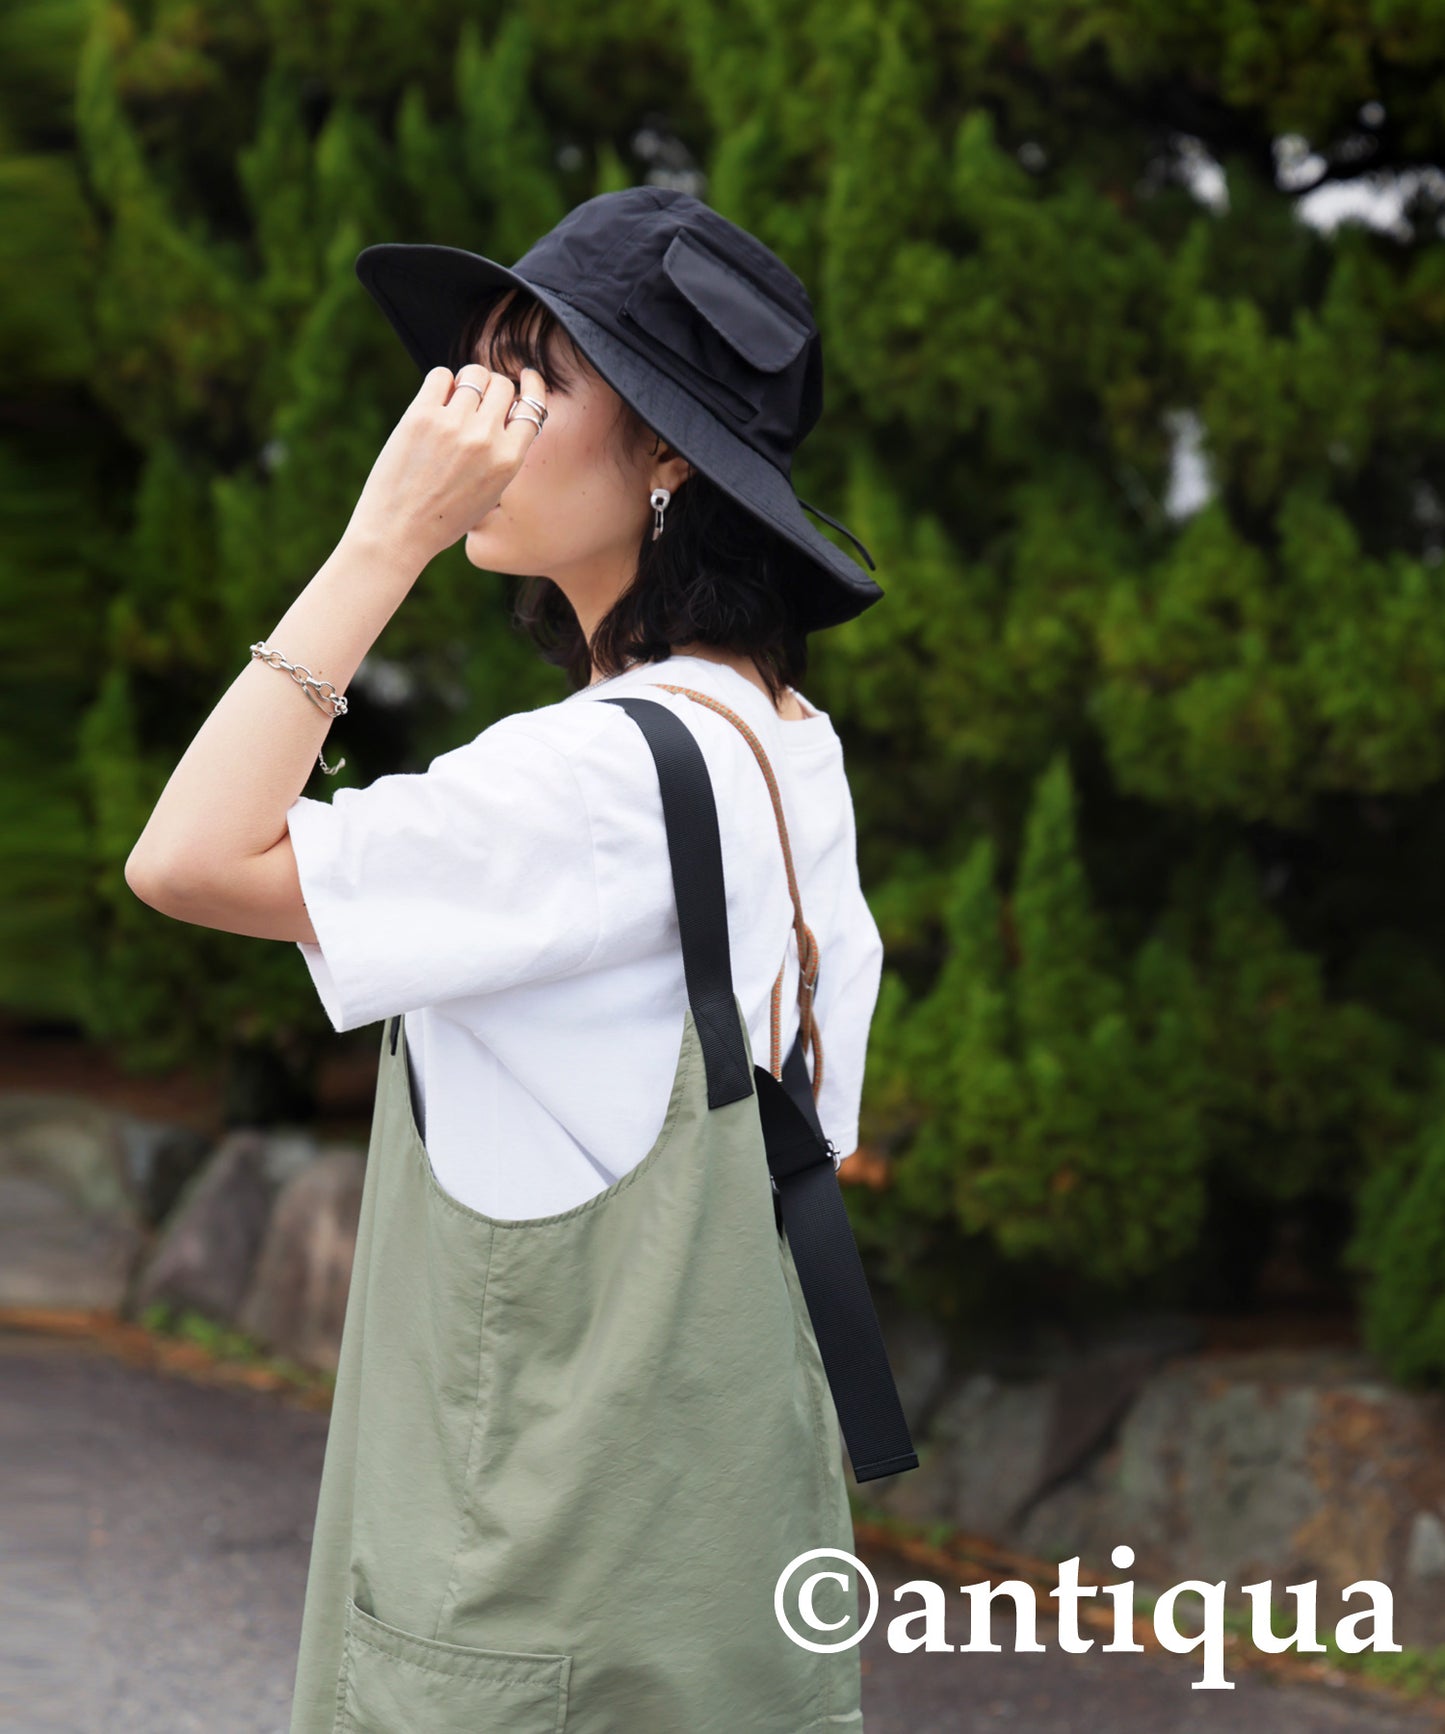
(692, 321)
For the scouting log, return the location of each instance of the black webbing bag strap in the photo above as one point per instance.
(809, 1198)
(830, 1270)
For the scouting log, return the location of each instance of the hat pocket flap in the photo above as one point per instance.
(745, 316)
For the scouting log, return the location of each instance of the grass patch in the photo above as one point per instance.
(231, 1347)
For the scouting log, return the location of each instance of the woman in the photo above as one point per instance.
(581, 1422)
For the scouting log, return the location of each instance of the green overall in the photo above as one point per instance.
(570, 1456)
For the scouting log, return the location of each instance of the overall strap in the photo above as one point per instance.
(808, 1032)
(808, 1204)
(695, 850)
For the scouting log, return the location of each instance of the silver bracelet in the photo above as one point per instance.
(321, 692)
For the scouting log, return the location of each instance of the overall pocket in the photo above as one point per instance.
(394, 1682)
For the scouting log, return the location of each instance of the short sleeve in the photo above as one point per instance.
(475, 875)
(849, 978)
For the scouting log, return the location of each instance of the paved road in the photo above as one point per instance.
(155, 1535)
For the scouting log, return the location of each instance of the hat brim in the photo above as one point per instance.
(427, 291)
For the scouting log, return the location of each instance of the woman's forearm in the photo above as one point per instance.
(226, 800)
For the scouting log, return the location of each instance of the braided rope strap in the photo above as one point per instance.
(807, 944)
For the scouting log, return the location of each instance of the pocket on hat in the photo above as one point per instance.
(393, 1680)
(749, 320)
(727, 333)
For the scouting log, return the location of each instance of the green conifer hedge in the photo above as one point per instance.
(1148, 737)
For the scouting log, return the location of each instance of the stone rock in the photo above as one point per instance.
(71, 1231)
(208, 1246)
(296, 1304)
(980, 1459)
(918, 1352)
(997, 1445)
(1425, 1551)
(1283, 1464)
(160, 1158)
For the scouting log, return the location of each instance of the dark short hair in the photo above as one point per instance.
(712, 577)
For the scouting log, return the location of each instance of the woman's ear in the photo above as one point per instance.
(672, 472)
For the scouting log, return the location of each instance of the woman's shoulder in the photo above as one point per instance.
(605, 746)
(582, 719)
(571, 726)
(604, 750)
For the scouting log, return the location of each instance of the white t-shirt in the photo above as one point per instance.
(515, 901)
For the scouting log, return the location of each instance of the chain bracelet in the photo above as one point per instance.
(321, 692)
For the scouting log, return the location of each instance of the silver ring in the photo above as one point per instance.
(520, 417)
(541, 408)
(466, 385)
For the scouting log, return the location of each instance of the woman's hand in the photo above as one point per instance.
(447, 460)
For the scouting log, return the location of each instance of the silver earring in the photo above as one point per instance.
(659, 498)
